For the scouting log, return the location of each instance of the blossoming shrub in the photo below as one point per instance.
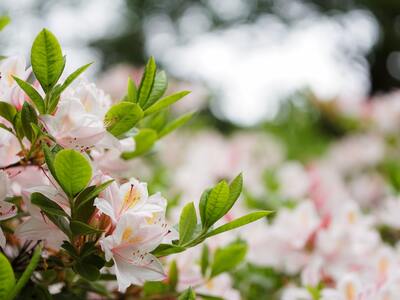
(70, 218)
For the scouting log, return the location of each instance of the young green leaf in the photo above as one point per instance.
(205, 257)
(28, 117)
(182, 120)
(239, 222)
(131, 95)
(49, 159)
(80, 228)
(73, 171)
(227, 258)
(46, 205)
(4, 21)
(122, 117)
(159, 88)
(144, 140)
(47, 59)
(173, 275)
(187, 223)
(23, 280)
(167, 249)
(89, 193)
(33, 94)
(147, 82)
(7, 111)
(59, 88)
(189, 294)
(165, 102)
(202, 205)
(7, 278)
(215, 204)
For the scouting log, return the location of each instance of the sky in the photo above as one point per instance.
(249, 67)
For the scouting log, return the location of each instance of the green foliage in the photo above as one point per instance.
(165, 102)
(26, 275)
(73, 171)
(147, 82)
(227, 258)
(28, 117)
(159, 87)
(214, 204)
(132, 90)
(7, 277)
(173, 275)
(122, 117)
(47, 59)
(46, 205)
(204, 260)
(187, 223)
(4, 21)
(7, 111)
(189, 294)
(33, 94)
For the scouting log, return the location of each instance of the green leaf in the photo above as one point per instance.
(182, 120)
(188, 295)
(227, 258)
(187, 223)
(131, 94)
(47, 59)
(249, 218)
(159, 88)
(147, 82)
(7, 111)
(90, 193)
(18, 125)
(173, 275)
(165, 102)
(23, 280)
(144, 140)
(55, 95)
(4, 21)
(215, 204)
(80, 228)
(7, 278)
(49, 159)
(33, 94)
(167, 249)
(205, 258)
(28, 117)
(89, 267)
(47, 205)
(122, 117)
(73, 171)
(202, 205)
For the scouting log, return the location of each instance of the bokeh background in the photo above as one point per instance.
(299, 95)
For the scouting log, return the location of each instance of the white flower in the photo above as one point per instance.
(9, 90)
(7, 209)
(73, 127)
(135, 236)
(130, 197)
(9, 148)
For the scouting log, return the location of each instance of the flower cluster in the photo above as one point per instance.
(66, 184)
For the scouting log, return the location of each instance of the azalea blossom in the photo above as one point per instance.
(130, 197)
(129, 246)
(9, 89)
(9, 148)
(7, 209)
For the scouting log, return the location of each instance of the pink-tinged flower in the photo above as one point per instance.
(135, 236)
(7, 209)
(109, 160)
(9, 148)
(130, 197)
(73, 127)
(9, 89)
(38, 227)
(23, 178)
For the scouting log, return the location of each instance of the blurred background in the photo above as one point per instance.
(248, 55)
